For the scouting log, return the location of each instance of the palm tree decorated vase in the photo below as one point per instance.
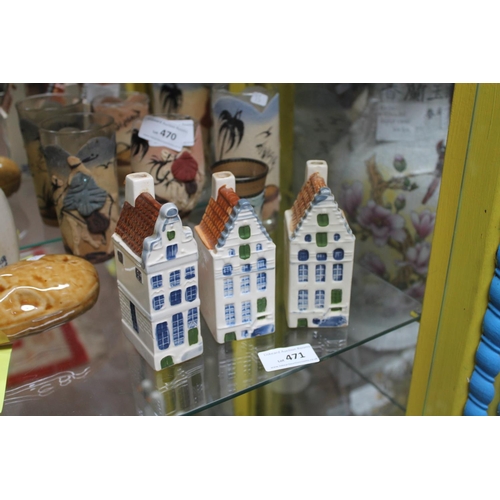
(80, 153)
(246, 125)
(178, 169)
(192, 99)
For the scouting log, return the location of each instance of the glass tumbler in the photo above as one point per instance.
(80, 153)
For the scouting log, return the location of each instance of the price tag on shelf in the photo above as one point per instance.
(174, 134)
(259, 99)
(287, 357)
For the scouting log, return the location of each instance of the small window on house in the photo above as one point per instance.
(303, 255)
(303, 300)
(258, 247)
(175, 297)
(171, 251)
(138, 275)
(170, 235)
(231, 252)
(261, 304)
(158, 302)
(321, 239)
(319, 299)
(336, 296)
(190, 272)
(321, 256)
(261, 263)
(338, 254)
(303, 273)
(245, 284)
(133, 315)
(175, 278)
(320, 273)
(229, 314)
(193, 318)
(178, 329)
(228, 287)
(156, 281)
(246, 268)
(261, 281)
(307, 238)
(338, 272)
(227, 270)
(244, 232)
(246, 312)
(323, 220)
(244, 252)
(162, 336)
(120, 257)
(191, 293)
(336, 236)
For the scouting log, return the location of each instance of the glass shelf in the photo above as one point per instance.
(88, 367)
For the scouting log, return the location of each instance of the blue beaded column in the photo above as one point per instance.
(487, 366)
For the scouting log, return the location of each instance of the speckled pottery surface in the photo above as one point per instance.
(80, 153)
(179, 176)
(32, 111)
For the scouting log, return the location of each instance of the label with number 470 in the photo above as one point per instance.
(287, 357)
(174, 134)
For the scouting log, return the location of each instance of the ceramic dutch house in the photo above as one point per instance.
(237, 266)
(157, 272)
(319, 245)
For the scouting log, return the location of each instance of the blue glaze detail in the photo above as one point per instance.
(487, 361)
(263, 330)
(331, 321)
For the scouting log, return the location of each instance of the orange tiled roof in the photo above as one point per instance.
(137, 223)
(216, 216)
(309, 190)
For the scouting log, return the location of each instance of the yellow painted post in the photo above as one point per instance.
(462, 261)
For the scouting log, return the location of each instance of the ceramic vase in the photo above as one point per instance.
(80, 153)
(32, 111)
(178, 172)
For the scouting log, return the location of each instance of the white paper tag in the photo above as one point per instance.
(398, 121)
(174, 134)
(286, 357)
(259, 99)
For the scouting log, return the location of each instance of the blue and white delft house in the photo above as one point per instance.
(237, 266)
(157, 272)
(319, 246)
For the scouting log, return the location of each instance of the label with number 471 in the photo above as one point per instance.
(287, 357)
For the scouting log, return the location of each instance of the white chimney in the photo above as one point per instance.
(137, 183)
(319, 166)
(220, 179)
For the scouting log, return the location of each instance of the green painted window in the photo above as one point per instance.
(193, 336)
(244, 232)
(230, 337)
(323, 220)
(302, 323)
(335, 309)
(244, 252)
(168, 361)
(261, 304)
(170, 235)
(321, 239)
(336, 296)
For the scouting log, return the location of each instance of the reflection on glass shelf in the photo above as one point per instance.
(112, 379)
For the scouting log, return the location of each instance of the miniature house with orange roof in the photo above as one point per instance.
(157, 272)
(237, 266)
(319, 245)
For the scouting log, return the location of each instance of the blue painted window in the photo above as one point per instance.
(228, 287)
(229, 314)
(193, 318)
(303, 272)
(138, 275)
(336, 236)
(178, 329)
(190, 273)
(227, 270)
(246, 312)
(303, 255)
(303, 300)
(157, 281)
(261, 263)
(158, 302)
(338, 254)
(232, 252)
(191, 293)
(134, 317)
(175, 297)
(246, 268)
(245, 284)
(261, 281)
(320, 272)
(175, 278)
(321, 256)
(258, 247)
(338, 272)
(171, 251)
(162, 336)
(319, 299)
(245, 333)
(307, 237)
